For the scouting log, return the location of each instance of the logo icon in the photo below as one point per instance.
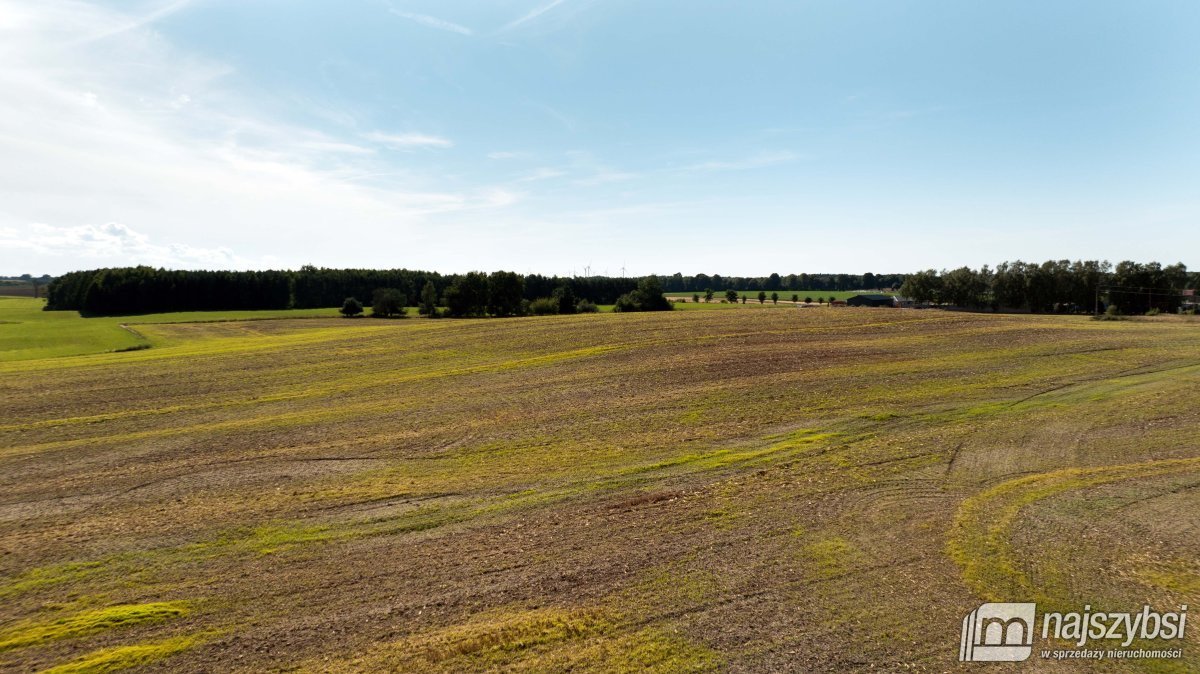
(998, 633)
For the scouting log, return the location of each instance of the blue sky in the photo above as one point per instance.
(557, 135)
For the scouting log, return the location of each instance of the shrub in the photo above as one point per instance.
(586, 307)
(543, 306)
(731, 296)
(351, 307)
(696, 298)
(795, 298)
(1154, 311)
(388, 302)
(647, 297)
(762, 297)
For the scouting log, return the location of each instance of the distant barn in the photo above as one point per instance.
(871, 300)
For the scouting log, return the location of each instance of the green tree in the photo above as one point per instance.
(386, 302)
(762, 297)
(351, 307)
(468, 295)
(565, 297)
(923, 286)
(695, 298)
(505, 289)
(708, 294)
(428, 300)
(731, 296)
(774, 298)
(795, 298)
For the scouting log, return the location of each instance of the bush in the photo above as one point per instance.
(586, 307)
(731, 296)
(388, 302)
(1154, 311)
(543, 306)
(351, 307)
(647, 297)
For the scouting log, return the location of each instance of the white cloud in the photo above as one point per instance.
(405, 141)
(116, 244)
(130, 129)
(433, 22)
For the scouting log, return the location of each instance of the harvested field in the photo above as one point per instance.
(748, 491)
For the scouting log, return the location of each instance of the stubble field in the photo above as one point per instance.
(747, 491)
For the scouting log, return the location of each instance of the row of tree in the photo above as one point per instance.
(701, 282)
(140, 290)
(1056, 286)
(498, 294)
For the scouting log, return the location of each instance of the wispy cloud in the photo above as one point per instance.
(542, 174)
(748, 163)
(135, 23)
(407, 141)
(605, 177)
(506, 155)
(433, 22)
(535, 13)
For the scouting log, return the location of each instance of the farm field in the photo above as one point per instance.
(688, 491)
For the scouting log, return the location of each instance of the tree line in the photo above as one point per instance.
(141, 290)
(1061, 286)
(699, 283)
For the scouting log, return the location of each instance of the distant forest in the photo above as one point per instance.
(1060, 285)
(144, 290)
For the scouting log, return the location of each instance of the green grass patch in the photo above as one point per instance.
(126, 657)
(29, 333)
(30, 633)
